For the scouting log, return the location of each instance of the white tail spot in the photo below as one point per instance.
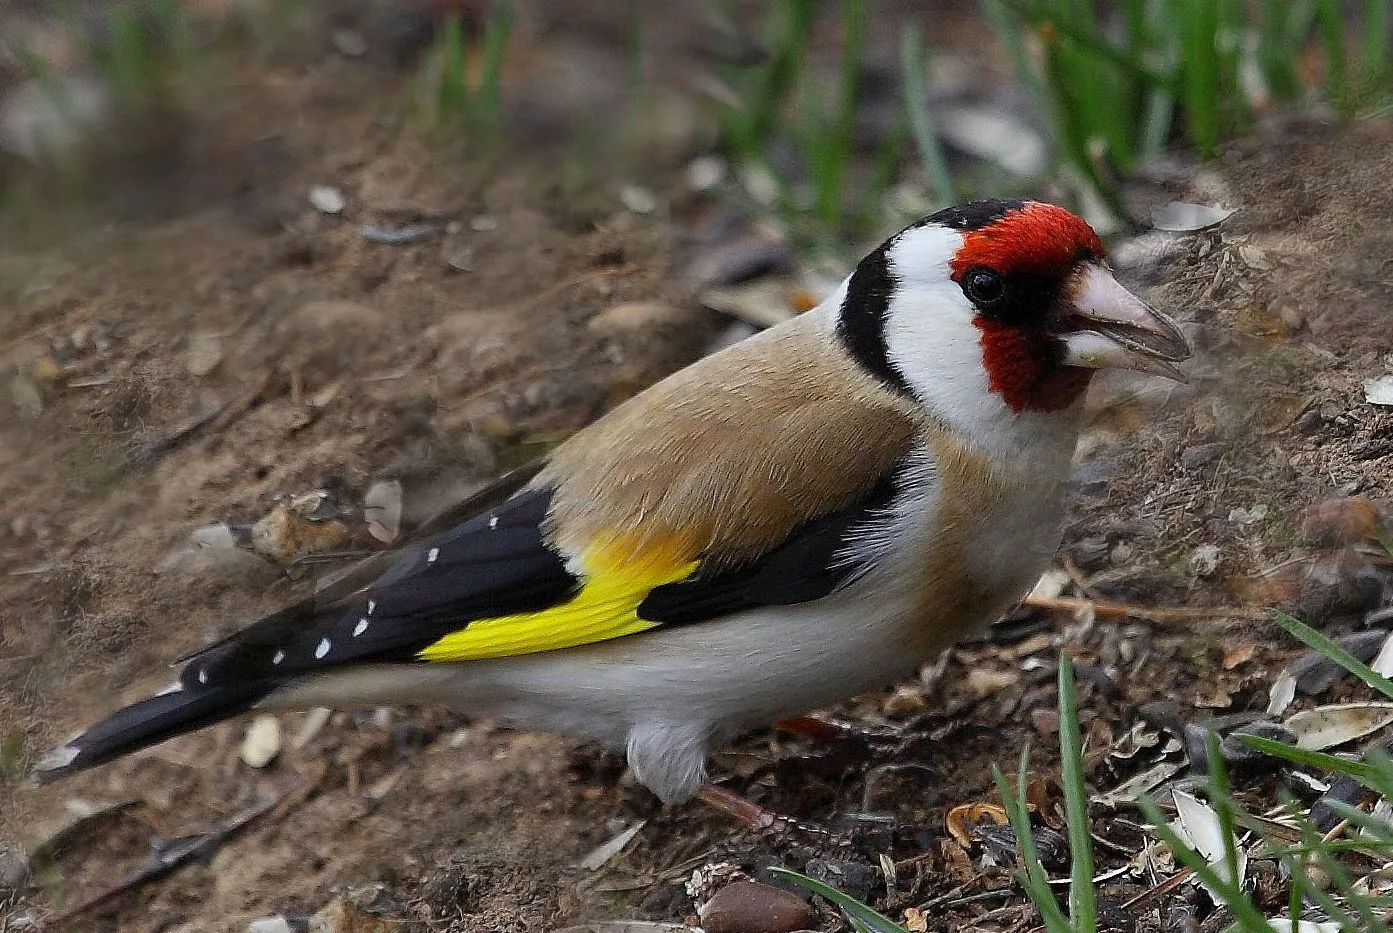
(493, 521)
(432, 555)
(361, 627)
(278, 657)
(203, 675)
(321, 649)
(372, 604)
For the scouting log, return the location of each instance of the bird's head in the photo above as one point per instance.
(998, 308)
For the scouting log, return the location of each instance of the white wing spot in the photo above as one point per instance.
(175, 687)
(372, 604)
(432, 555)
(278, 657)
(361, 627)
(321, 649)
(203, 675)
(493, 521)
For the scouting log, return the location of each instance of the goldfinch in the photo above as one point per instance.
(803, 516)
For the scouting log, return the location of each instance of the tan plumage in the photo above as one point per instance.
(790, 395)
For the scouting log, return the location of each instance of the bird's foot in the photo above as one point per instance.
(754, 815)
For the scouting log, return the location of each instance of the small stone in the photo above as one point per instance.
(1045, 720)
(203, 355)
(327, 199)
(275, 924)
(1288, 313)
(1235, 752)
(1254, 258)
(903, 703)
(262, 742)
(638, 199)
(635, 317)
(1250, 516)
(855, 878)
(1339, 522)
(483, 223)
(15, 872)
(1201, 455)
(751, 907)
(342, 917)
(350, 43)
(1204, 560)
(704, 173)
(1314, 672)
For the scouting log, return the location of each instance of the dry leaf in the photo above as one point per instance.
(963, 817)
(1338, 723)
(1338, 522)
(1238, 655)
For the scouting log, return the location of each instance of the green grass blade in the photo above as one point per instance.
(1197, 23)
(1033, 878)
(861, 916)
(1374, 50)
(1221, 799)
(452, 95)
(1362, 772)
(1334, 652)
(830, 181)
(914, 70)
(1248, 917)
(494, 46)
(1083, 907)
(1330, 24)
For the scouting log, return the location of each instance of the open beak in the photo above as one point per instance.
(1110, 328)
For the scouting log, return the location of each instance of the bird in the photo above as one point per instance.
(803, 516)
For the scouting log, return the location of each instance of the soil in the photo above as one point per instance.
(208, 344)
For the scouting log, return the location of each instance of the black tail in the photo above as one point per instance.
(163, 716)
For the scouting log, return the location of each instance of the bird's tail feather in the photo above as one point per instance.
(171, 712)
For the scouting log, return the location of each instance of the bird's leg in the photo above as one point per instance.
(819, 730)
(751, 813)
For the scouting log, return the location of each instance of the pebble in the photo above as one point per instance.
(203, 355)
(751, 907)
(350, 43)
(275, 924)
(1314, 672)
(327, 199)
(638, 199)
(1235, 752)
(1204, 560)
(1338, 522)
(1201, 455)
(855, 878)
(262, 742)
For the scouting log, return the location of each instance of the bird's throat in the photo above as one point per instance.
(1024, 368)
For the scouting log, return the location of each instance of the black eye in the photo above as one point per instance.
(983, 287)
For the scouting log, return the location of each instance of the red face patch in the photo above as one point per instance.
(1039, 239)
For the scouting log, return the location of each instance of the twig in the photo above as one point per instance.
(1161, 614)
(1165, 887)
(172, 858)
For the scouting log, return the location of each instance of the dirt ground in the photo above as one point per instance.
(197, 361)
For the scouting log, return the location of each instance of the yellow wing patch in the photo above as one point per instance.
(618, 575)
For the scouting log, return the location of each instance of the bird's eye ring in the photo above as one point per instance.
(983, 286)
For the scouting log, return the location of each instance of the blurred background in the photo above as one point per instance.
(279, 279)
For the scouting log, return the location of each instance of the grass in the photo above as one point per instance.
(1336, 898)
(794, 127)
(1113, 83)
(465, 77)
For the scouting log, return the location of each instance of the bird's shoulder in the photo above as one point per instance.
(728, 457)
